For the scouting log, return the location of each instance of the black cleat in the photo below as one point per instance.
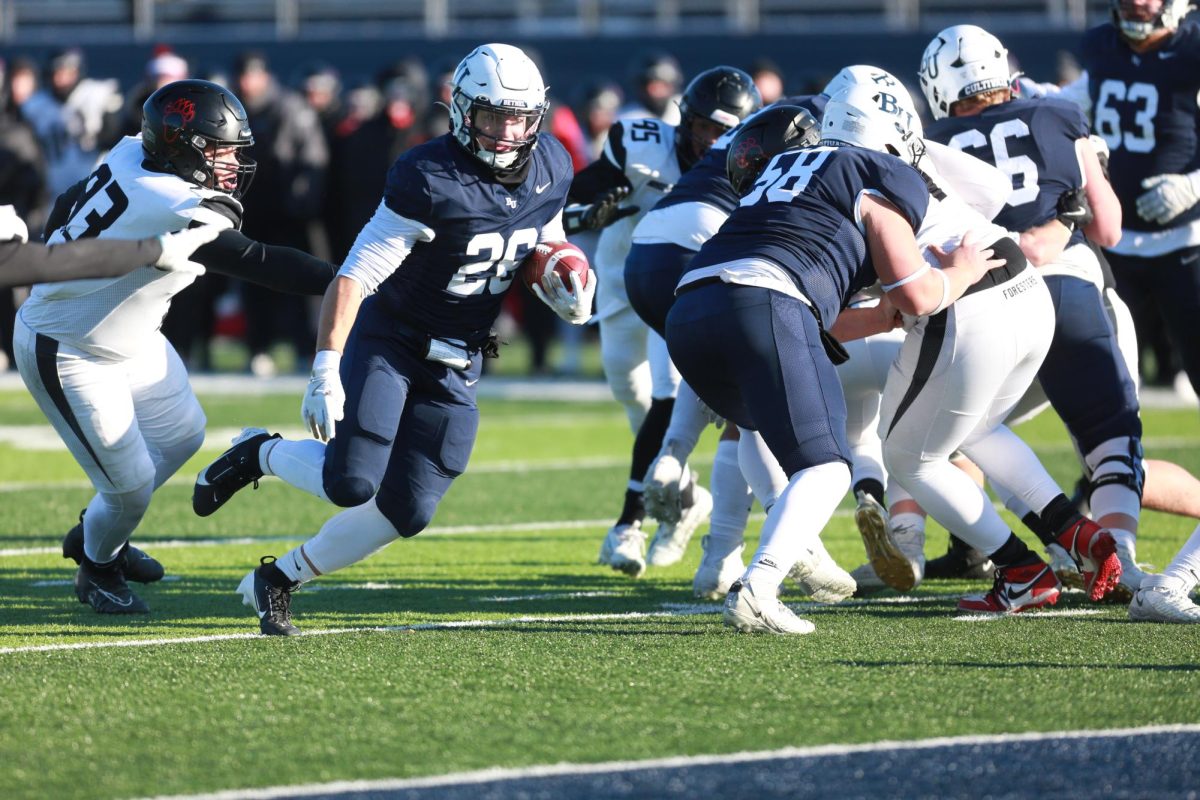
(105, 590)
(236, 469)
(136, 564)
(961, 562)
(271, 602)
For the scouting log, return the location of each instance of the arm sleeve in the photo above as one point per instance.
(553, 230)
(381, 246)
(62, 208)
(282, 269)
(24, 264)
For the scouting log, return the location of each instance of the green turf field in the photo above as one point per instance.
(507, 645)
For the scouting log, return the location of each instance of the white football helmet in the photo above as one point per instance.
(875, 119)
(1172, 13)
(961, 61)
(866, 75)
(500, 79)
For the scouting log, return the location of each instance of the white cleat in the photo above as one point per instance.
(662, 486)
(629, 544)
(671, 539)
(748, 611)
(866, 579)
(715, 575)
(891, 565)
(1064, 567)
(817, 575)
(1162, 599)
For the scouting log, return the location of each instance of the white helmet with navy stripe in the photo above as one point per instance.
(876, 119)
(960, 62)
(502, 80)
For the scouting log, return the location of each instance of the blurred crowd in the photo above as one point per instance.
(323, 145)
(323, 142)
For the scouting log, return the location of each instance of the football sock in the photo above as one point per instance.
(872, 487)
(760, 469)
(687, 423)
(1040, 529)
(650, 437)
(908, 520)
(804, 507)
(346, 538)
(1059, 514)
(110, 520)
(634, 509)
(731, 501)
(1013, 553)
(300, 463)
(1185, 567)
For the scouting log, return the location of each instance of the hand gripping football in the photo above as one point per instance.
(561, 257)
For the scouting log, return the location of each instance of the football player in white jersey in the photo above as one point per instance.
(90, 351)
(642, 160)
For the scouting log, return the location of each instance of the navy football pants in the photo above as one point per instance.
(652, 271)
(755, 357)
(408, 429)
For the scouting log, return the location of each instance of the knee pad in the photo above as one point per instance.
(348, 492)
(1117, 462)
(409, 514)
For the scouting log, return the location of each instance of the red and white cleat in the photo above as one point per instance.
(1095, 550)
(1016, 589)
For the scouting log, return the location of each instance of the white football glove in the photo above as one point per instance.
(177, 249)
(575, 305)
(12, 227)
(1168, 196)
(324, 399)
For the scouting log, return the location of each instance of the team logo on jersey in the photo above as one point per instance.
(179, 113)
(508, 201)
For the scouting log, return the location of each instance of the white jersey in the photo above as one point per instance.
(949, 220)
(643, 149)
(114, 317)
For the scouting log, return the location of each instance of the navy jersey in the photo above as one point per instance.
(1033, 141)
(1145, 107)
(453, 285)
(708, 182)
(801, 216)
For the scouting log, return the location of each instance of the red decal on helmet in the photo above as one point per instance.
(178, 113)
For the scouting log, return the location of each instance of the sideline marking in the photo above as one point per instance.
(1062, 612)
(673, 762)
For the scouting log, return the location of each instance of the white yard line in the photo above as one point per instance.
(1064, 612)
(685, 611)
(483, 776)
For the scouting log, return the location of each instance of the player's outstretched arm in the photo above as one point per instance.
(911, 285)
(283, 269)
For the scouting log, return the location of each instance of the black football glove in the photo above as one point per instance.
(602, 212)
(1073, 209)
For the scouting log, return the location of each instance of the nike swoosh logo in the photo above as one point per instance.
(1165, 56)
(113, 597)
(1018, 589)
(543, 187)
(471, 383)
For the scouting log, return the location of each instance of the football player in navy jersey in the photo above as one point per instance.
(1042, 143)
(404, 328)
(642, 161)
(1143, 71)
(750, 329)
